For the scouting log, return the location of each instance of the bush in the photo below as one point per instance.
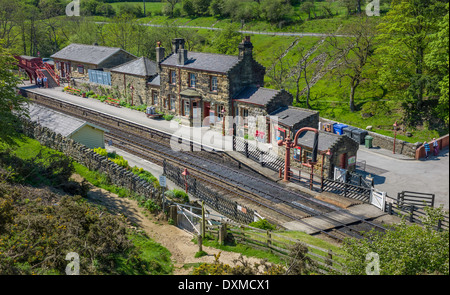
(168, 117)
(181, 195)
(263, 224)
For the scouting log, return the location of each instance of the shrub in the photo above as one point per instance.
(263, 224)
(101, 152)
(168, 117)
(181, 195)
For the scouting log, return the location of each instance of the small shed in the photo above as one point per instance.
(333, 149)
(81, 131)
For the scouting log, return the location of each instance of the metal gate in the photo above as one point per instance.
(378, 198)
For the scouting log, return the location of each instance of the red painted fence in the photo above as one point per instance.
(442, 142)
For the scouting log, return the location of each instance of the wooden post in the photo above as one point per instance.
(330, 257)
(390, 208)
(203, 220)
(173, 214)
(200, 243)
(269, 240)
(411, 212)
(222, 233)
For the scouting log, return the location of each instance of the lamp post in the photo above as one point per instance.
(185, 174)
(395, 135)
(132, 90)
(223, 121)
(290, 144)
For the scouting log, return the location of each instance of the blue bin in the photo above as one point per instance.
(338, 128)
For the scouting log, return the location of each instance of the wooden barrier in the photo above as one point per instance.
(280, 245)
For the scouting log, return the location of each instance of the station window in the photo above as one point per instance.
(172, 102)
(173, 77)
(81, 69)
(214, 84)
(192, 80)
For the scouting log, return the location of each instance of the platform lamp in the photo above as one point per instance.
(132, 90)
(395, 135)
(223, 121)
(185, 174)
(291, 144)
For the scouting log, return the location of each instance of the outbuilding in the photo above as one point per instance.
(79, 130)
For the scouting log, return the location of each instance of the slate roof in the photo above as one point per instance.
(211, 62)
(155, 81)
(91, 54)
(56, 121)
(256, 95)
(139, 67)
(289, 116)
(326, 140)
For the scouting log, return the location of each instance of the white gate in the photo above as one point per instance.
(378, 198)
(340, 174)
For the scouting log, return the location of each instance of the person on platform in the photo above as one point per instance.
(427, 149)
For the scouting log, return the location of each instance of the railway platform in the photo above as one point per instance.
(363, 211)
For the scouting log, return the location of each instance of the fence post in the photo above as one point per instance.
(390, 208)
(411, 212)
(330, 257)
(222, 233)
(439, 225)
(269, 240)
(200, 243)
(203, 220)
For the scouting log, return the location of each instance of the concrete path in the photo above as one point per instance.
(397, 173)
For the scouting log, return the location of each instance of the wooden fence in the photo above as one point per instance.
(326, 261)
(414, 212)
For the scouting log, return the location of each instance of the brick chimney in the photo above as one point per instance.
(177, 43)
(245, 48)
(160, 52)
(182, 56)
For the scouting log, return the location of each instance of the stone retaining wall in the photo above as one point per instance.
(387, 142)
(118, 175)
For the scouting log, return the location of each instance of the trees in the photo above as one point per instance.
(437, 60)
(355, 51)
(405, 33)
(9, 100)
(169, 8)
(227, 40)
(276, 10)
(402, 250)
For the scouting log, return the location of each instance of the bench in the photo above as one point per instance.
(113, 101)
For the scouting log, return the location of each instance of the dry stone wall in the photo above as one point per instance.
(118, 175)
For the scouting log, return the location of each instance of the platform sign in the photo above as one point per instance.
(162, 181)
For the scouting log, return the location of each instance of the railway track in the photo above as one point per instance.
(153, 145)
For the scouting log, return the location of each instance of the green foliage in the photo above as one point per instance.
(101, 152)
(43, 227)
(402, 250)
(9, 99)
(178, 195)
(168, 117)
(263, 224)
(200, 254)
(227, 40)
(405, 33)
(151, 206)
